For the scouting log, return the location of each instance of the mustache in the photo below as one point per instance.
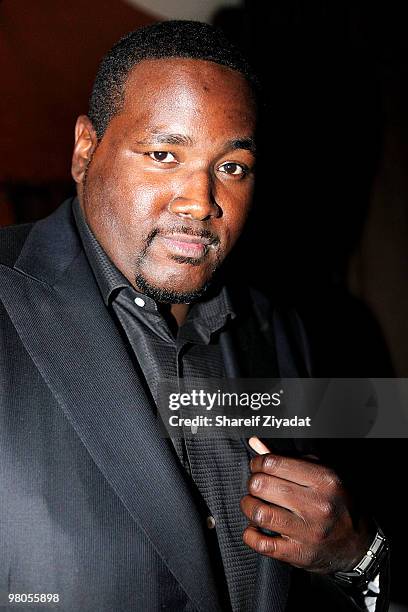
(183, 229)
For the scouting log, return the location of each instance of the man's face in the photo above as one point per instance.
(168, 188)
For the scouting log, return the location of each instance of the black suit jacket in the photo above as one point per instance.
(94, 505)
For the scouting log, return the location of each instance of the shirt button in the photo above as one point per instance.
(210, 522)
(139, 302)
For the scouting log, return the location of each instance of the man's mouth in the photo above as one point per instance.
(186, 245)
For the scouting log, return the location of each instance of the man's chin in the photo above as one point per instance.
(165, 295)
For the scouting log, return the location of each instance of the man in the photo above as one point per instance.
(122, 287)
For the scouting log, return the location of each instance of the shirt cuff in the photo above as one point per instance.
(371, 594)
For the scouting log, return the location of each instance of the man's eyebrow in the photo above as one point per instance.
(184, 140)
(243, 143)
(163, 138)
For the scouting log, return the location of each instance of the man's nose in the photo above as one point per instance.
(196, 198)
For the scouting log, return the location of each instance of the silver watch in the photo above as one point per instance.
(369, 565)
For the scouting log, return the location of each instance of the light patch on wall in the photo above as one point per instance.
(197, 10)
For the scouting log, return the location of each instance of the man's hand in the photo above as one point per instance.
(304, 502)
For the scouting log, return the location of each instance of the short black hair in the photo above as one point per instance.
(185, 39)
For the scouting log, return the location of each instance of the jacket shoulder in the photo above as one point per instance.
(12, 239)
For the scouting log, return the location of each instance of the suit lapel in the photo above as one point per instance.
(54, 303)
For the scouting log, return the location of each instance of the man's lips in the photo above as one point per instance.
(186, 245)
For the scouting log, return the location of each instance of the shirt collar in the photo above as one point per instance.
(204, 317)
(208, 316)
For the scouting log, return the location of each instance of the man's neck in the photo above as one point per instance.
(179, 312)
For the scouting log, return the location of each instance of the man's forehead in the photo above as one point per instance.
(166, 96)
(175, 73)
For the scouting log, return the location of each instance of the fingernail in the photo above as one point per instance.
(258, 446)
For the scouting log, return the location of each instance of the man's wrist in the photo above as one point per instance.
(368, 566)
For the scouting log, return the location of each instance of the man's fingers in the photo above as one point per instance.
(274, 518)
(300, 471)
(283, 549)
(281, 492)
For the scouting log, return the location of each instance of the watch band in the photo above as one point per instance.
(368, 567)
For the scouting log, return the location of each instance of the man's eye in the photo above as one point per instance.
(162, 156)
(233, 168)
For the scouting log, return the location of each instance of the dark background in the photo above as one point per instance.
(330, 224)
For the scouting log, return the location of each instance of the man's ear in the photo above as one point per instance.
(85, 144)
